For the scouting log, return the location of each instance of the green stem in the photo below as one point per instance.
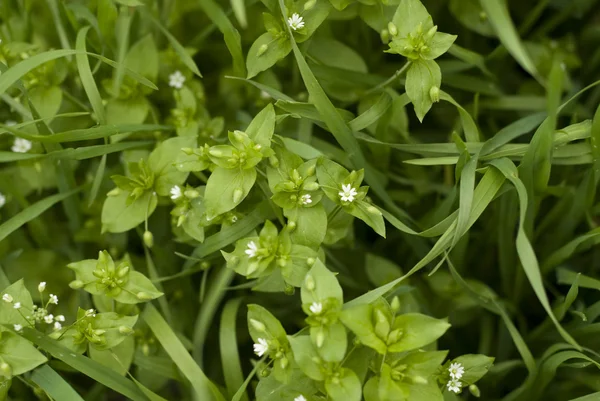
(389, 80)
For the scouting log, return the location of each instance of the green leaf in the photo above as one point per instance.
(142, 58)
(31, 213)
(260, 59)
(19, 353)
(162, 162)
(203, 387)
(476, 366)
(230, 358)
(346, 387)
(227, 188)
(118, 215)
(421, 77)
(417, 331)
(320, 284)
(311, 225)
(271, 327)
(18, 293)
(47, 100)
(53, 384)
(408, 16)
(370, 215)
(439, 44)
(262, 127)
(359, 320)
(306, 356)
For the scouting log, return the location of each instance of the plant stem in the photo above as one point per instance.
(389, 80)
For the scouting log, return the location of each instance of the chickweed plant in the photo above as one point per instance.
(299, 200)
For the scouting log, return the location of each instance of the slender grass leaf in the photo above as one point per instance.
(53, 384)
(228, 342)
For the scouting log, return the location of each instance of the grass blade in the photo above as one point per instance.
(53, 384)
(228, 342)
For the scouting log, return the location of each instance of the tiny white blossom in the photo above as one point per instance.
(234, 218)
(21, 145)
(454, 386)
(53, 299)
(347, 193)
(17, 305)
(176, 80)
(306, 199)
(7, 298)
(59, 318)
(456, 370)
(90, 312)
(300, 398)
(316, 308)
(296, 22)
(18, 327)
(261, 347)
(57, 326)
(49, 318)
(2, 200)
(252, 249)
(10, 123)
(176, 192)
(42, 286)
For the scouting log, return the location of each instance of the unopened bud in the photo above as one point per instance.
(309, 4)
(76, 284)
(311, 186)
(385, 35)
(114, 192)
(215, 152)
(393, 30)
(123, 270)
(431, 32)
(310, 261)
(434, 94)
(291, 225)
(289, 289)
(309, 281)
(320, 338)
(5, 369)
(273, 161)
(262, 50)
(191, 193)
(237, 195)
(148, 239)
(125, 330)
(144, 296)
(473, 389)
(187, 151)
(395, 304)
(258, 326)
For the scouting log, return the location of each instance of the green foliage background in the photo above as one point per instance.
(487, 183)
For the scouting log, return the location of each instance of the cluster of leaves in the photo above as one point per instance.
(293, 182)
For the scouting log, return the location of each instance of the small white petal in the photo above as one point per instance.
(53, 299)
(252, 249)
(295, 22)
(176, 80)
(176, 192)
(2, 200)
(300, 398)
(17, 305)
(21, 145)
(316, 307)
(59, 318)
(306, 199)
(7, 298)
(42, 286)
(18, 327)
(261, 347)
(49, 318)
(57, 326)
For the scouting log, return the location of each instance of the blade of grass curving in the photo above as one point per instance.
(274, 93)
(338, 127)
(54, 385)
(576, 245)
(86, 76)
(484, 193)
(31, 213)
(564, 276)
(97, 180)
(469, 57)
(122, 28)
(512, 131)
(232, 37)
(228, 342)
(162, 365)
(489, 302)
(239, 10)
(242, 390)
(208, 308)
(179, 49)
(525, 250)
(58, 24)
(372, 114)
(7, 157)
(498, 15)
(469, 126)
(153, 273)
(467, 190)
(102, 374)
(204, 388)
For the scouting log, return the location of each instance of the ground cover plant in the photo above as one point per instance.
(299, 200)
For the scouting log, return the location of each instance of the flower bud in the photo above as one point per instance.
(187, 151)
(5, 369)
(309, 281)
(148, 239)
(123, 269)
(311, 186)
(392, 29)
(431, 32)
(434, 94)
(385, 36)
(283, 362)
(42, 286)
(114, 192)
(215, 152)
(310, 261)
(191, 193)
(395, 304)
(143, 296)
(76, 284)
(125, 330)
(309, 4)
(289, 290)
(258, 326)
(473, 389)
(373, 210)
(291, 225)
(320, 338)
(262, 50)
(273, 161)
(238, 193)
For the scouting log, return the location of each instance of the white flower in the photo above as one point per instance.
(2, 200)
(176, 80)
(262, 347)
(57, 326)
(42, 286)
(306, 199)
(175, 192)
(456, 370)
(252, 249)
(21, 145)
(18, 327)
(10, 123)
(53, 299)
(300, 398)
(295, 22)
(17, 305)
(49, 318)
(316, 308)
(7, 298)
(454, 386)
(59, 318)
(347, 193)
(90, 312)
